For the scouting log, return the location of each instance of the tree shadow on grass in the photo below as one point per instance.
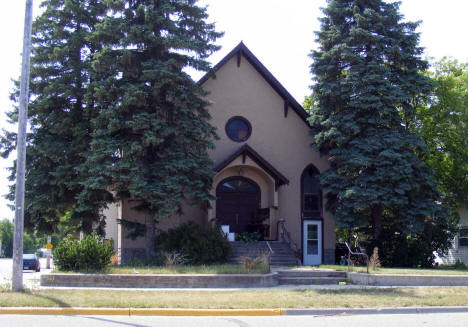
(60, 303)
(390, 291)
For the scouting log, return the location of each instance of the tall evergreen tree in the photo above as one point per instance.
(152, 135)
(367, 72)
(60, 113)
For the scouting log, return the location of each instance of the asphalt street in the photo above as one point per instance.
(396, 320)
(31, 278)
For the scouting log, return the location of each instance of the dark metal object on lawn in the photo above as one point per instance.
(357, 254)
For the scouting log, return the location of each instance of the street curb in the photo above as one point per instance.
(142, 311)
(66, 311)
(228, 312)
(374, 311)
(206, 312)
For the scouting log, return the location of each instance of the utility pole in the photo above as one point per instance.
(21, 152)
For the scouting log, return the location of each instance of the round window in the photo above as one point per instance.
(238, 129)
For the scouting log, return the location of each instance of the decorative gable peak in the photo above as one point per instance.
(240, 51)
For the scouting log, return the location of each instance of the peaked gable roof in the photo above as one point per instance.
(241, 49)
(246, 150)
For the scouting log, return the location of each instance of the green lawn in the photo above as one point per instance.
(279, 298)
(188, 269)
(396, 271)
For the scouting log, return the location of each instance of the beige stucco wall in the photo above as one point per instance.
(112, 214)
(134, 216)
(193, 213)
(283, 142)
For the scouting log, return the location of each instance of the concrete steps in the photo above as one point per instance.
(282, 255)
(310, 281)
(312, 273)
(311, 277)
(252, 250)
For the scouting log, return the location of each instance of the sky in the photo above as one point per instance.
(280, 33)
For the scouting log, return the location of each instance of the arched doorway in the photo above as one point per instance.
(238, 198)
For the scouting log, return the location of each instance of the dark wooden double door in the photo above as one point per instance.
(238, 198)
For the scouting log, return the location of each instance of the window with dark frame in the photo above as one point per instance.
(238, 185)
(238, 129)
(463, 238)
(311, 193)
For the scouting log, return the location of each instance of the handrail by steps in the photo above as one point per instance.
(269, 255)
(286, 238)
(269, 247)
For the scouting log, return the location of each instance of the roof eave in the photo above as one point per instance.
(246, 150)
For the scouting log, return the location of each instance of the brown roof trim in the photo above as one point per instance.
(246, 150)
(262, 70)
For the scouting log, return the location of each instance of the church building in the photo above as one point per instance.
(266, 171)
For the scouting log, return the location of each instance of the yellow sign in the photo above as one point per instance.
(48, 246)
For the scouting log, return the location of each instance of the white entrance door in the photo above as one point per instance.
(312, 242)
